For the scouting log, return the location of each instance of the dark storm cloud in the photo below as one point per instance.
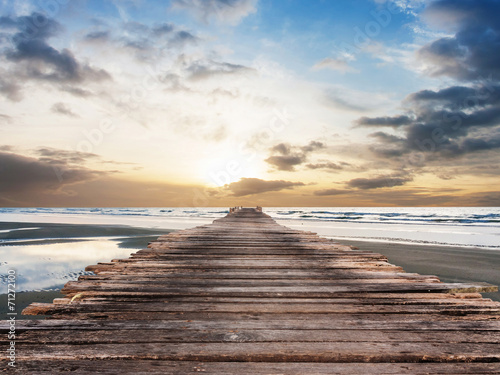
(444, 132)
(286, 157)
(378, 182)
(458, 120)
(250, 186)
(36, 59)
(473, 53)
(20, 174)
(58, 178)
(456, 97)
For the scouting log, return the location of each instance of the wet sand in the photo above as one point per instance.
(24, 299)
(22, 234)
(450, 264)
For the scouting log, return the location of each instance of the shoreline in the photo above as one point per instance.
(40, 247)
(449, 263)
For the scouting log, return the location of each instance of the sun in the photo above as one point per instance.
(226, 167)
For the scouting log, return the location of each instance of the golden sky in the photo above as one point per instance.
(247, 102)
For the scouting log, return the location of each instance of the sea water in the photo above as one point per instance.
(453, 226)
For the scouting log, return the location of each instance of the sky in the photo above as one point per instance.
(249, 102)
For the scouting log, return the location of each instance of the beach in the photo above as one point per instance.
(449, 263)
(49, 247)
(46, 256)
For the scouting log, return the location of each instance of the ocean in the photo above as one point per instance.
(453, 226)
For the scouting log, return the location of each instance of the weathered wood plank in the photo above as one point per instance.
(415, 323)
(284, 291)
(271, 352)
(246, 295)
(263, 307)
(230, 335)
(147, 367)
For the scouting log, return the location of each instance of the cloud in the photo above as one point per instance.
(56, 156)
(20, 174)
(395, 121)
(205, 69)
(63, 109)
(330, 192)
(59, 178)
(76, 91)
(312, 146)
(286, 162)
(472, 54)
(10, 89)
(100, 36)
(291, 156)
(163, 29)
(378, 182)
(143, 39)
(459, 120)
(5, 118)
(35, 59)
(330, 166)
(449, 123)
(338, 65)
(337, 100)
(250, 186)
(221, 11)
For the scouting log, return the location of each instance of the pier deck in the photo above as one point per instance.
(245, 295)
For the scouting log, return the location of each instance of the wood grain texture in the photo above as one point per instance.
(245, 295)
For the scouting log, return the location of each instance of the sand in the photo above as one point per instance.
(450, 264)
(23, 299)
(48, 233)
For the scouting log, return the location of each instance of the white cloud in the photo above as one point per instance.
(221, 11)
(339, 65)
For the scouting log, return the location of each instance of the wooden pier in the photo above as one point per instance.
(245, 295)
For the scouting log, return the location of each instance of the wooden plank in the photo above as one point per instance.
(275, 291)
(243, 274)
(148, 367)
(263, 307)
(360, 323)
(230, 335)
(271, 352)
(246, 295)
